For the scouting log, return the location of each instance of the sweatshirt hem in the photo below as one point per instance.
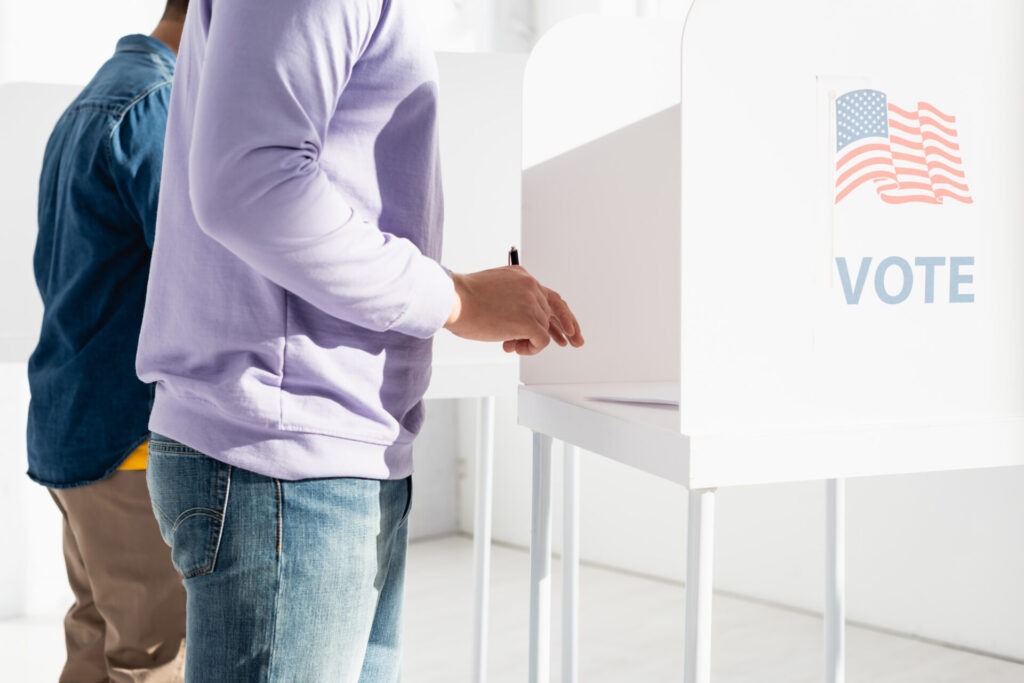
(272, 451)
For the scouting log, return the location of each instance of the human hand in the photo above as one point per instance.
(509, 305)
(563, 326)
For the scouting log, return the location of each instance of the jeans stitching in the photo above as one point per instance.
(280, 514)
(195, 512)
(216, 530)
(223, 519)
(408, 500)
(165, 448)
(279, 568)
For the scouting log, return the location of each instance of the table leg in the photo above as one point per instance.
(835, 580)
(700, 548)
(482, 532)
(540, 562)
(570, 566)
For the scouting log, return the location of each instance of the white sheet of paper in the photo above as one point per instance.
(660, 394)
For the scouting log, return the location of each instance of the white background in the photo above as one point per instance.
(935, 555)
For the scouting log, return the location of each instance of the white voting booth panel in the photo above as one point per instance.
(601, 196)
(809, 337)
(890, 317)
(28, 112)
(814, 251)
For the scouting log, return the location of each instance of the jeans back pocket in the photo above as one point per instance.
(190, 495)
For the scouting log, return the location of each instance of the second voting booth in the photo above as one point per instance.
(792, 235)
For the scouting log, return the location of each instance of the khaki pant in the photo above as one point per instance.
(128, 620)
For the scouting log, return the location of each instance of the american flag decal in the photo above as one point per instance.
(909, 156)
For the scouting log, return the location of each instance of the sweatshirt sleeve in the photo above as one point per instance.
(272, 76)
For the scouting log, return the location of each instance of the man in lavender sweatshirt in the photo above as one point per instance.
(293, 294)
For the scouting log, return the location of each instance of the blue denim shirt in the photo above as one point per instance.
(97, 212)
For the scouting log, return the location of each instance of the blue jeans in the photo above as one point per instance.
(286, 580)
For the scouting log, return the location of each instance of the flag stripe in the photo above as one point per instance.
(876, 147)
(935, 137)
(856, 168)
(943, 180)
(915, 158)
(897, 140)
(944, 154)
(912, 130)
(861, 180)
(948, 169)
(905, 170)
(928, 121)
(966, 199)
(902, 112)
(932, 109)
(906, 199)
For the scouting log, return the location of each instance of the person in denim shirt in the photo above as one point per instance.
(89, 413)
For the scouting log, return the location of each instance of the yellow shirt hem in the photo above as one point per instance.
(137, 459)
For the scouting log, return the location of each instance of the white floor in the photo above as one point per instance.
(631, 631)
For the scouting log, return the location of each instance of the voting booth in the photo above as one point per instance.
(791, 233)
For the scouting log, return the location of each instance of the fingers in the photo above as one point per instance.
(543, 306)
(525, 348)
(522, 347)
(536, 341)
(560, 326)
(536, 336)
(570, 327)
(539, 339)
(576, 337)
(556, 332)
(560, 309)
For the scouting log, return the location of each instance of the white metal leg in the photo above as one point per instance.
(835, 581)
(570, 566)
(482, 532)
(700, 549)
(540, 562)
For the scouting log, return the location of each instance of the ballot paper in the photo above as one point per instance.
(656, 394)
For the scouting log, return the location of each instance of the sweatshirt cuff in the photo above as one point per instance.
(433, 302)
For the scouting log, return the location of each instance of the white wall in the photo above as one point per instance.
(62, 41)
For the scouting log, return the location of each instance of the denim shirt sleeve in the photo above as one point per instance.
(136, 154)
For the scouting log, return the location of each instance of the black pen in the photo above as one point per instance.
(513, 257)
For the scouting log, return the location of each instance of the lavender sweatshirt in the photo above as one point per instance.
(294, 286)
